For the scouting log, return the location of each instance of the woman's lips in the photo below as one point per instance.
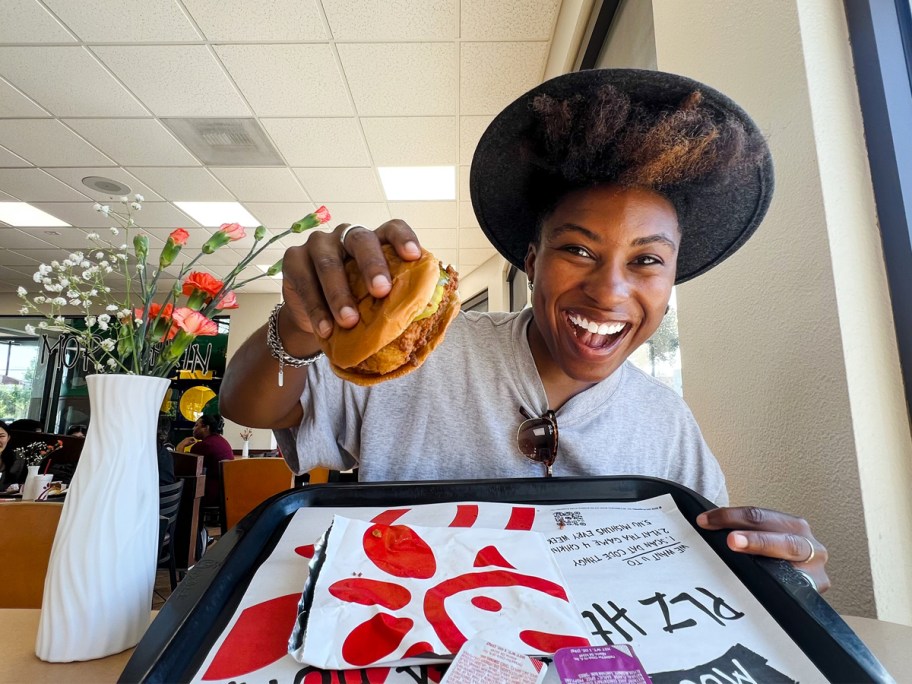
(595, 335)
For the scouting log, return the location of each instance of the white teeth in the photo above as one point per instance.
(596, 328)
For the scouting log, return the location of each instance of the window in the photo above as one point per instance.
(478, 302)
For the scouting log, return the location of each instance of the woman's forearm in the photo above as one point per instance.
(250, 394)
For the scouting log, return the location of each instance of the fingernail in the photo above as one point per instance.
(702, 519)
(324, 328)
(380, 282)
(347, 312)
(412, 248)
(739, 541)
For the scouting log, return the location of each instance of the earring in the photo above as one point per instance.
(667, 309)
(530, 286)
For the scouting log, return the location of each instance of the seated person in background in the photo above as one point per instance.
(607, 187)
(26, 425)
(164, 447)
(76, 431)
(207, 441)
(12, 468)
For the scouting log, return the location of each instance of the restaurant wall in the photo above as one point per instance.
(252, 312)
(789, 355)
(490, 276)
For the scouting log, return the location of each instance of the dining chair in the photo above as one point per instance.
(247, 482)
(27, 532)
(169, 498)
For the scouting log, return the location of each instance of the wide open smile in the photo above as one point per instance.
(597, 335)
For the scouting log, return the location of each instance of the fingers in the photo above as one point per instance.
(752, 518)
(315, 285)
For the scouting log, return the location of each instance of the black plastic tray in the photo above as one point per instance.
(176, 644)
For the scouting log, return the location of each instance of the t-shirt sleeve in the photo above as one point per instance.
(329, 433)
(695, 465)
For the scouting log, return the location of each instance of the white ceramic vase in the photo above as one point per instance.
(98, 590)
(28, 487)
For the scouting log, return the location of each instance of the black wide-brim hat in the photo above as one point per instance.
(715, 220)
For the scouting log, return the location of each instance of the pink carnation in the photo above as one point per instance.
(193, 322)
(179, 237)
(229, 301)
(323, 214)
(234, 231)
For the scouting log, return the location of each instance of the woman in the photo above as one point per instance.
(11, 467)
(607, 187)
(207, 441)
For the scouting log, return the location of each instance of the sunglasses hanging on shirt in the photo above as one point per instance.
(537, 438)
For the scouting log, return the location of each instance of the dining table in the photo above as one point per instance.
(890, 642)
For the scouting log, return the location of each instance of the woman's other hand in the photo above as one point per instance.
(774, 534)
(185, 444)
(315, 286)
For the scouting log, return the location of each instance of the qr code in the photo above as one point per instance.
(569, 518)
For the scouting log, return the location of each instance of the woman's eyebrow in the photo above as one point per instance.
(557, 231)
(650, 239)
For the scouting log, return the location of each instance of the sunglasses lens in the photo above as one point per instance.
(536, 439)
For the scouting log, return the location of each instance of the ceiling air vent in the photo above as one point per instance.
(226, 142)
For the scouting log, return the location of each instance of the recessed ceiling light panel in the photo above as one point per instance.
(22, 215)
(214, 214)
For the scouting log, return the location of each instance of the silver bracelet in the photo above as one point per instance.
(274, 342)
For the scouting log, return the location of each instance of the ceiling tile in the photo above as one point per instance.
(434, 239)
(242, 20)
(163, 215)
(81, 214)
(470, 258)
(341, 185)
(14, 104)
(64, 238)
(47, 142)
(264, 286)
(471, 129)
(134, 142)
(473, 238)
(318, 142)
(68, 81)
(467, 217)
(492, 75)
(26, 21)
(279, 216)
(288, 80)
(267, 185)
(401, 79)
(15, 238)
(11, 258)
(183, 184)
(73, 177)
(149, 21)
(175, 80)
(513, 20)
(300, 238)
(392, 20)
(463, 193)
(411, 141)
(10, 160)
(34, 185)
(45, 255)
(425, 214)
(448, 257)
(370, 214)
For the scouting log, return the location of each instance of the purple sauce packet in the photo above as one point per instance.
(597, 665)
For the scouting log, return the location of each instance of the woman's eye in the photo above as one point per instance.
(576, 249)
(647, 260)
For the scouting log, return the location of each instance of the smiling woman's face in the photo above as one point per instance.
(603, 270)
(4, 439)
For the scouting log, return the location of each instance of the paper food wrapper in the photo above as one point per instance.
(381, 595)
(616, 664)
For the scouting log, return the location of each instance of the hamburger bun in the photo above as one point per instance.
(388, 342)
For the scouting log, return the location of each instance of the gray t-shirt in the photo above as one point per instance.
(456, 417)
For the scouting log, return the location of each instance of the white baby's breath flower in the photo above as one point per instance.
(136, 206)
(21, 291)
(122, 256)
(64, 281)
(112, 363)
(55, 264)
(23, 310)
(40, 299)
(42, 324)
(115, 230)
(59, 319)
(124, 199)
(67, 263)
(104, 318)
(111, 307)
(29, 329)
(123, 313)
(77, 257)
(123, 247)
(102, 326)
(93, 292)
(86, 303)
(108, 269)
(96, 206)
(99, 255)
(74, 302)
(37, 277)
(44, 269)
(106, 288)
(85, 263)
(90, 321)
(93, 236)
(60, 301)
(108, 345)
(138, 197)
(105, 209)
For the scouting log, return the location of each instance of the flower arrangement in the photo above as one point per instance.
(35, 452)
(141, 331)
(246, 434)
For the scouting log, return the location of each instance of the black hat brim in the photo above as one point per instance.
(715, 221)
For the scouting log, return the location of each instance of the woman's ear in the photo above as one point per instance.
(530, 262)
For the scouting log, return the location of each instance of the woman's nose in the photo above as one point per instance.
(608, 284)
